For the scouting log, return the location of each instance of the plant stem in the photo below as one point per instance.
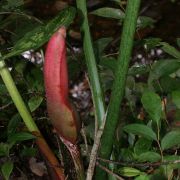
(97, 93)
(57, 171)
(16, 97)
(158, 142)
(126, 45)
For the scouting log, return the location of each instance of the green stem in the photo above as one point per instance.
(158, 142)
(97, 93)
(16, 97)
(57, 171)
(126, 45)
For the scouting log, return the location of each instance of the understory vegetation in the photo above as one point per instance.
(124, 82)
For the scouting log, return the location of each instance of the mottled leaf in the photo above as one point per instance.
(40, 35)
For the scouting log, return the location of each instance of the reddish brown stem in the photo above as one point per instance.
(57, 172)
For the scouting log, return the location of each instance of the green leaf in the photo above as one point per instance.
(172, 158)
(34, 102)
(100, 45)
(22, 136)
(106, 78)
(142, 177)
(126, 154)
(20, 66)
(140, 88)
(149, 157)
(176, 98)
(6, 169)
(140, 129)
(144, 21)
(28, 152)
(134, 70)
(108, 62)
(151, 42)
(4, 149)
(152, 104)
(169, 84)
(90, 130)
(12, 5)
(170, 139)
(40, 35)
(13, 123)
(178, 42)
(129, 172)
(109, 13)
(163, 68)
(3, 89)
(142, 145)
(170, 50)
(34, 78)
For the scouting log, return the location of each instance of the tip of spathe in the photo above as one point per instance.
(62, 31)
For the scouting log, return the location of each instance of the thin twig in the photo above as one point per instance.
(109, 171)
(138, 164)
(94, 151)
(111, 54)
(83, 134)
(42, 118)
(96, 121)
(5, 106)
(59, 151)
